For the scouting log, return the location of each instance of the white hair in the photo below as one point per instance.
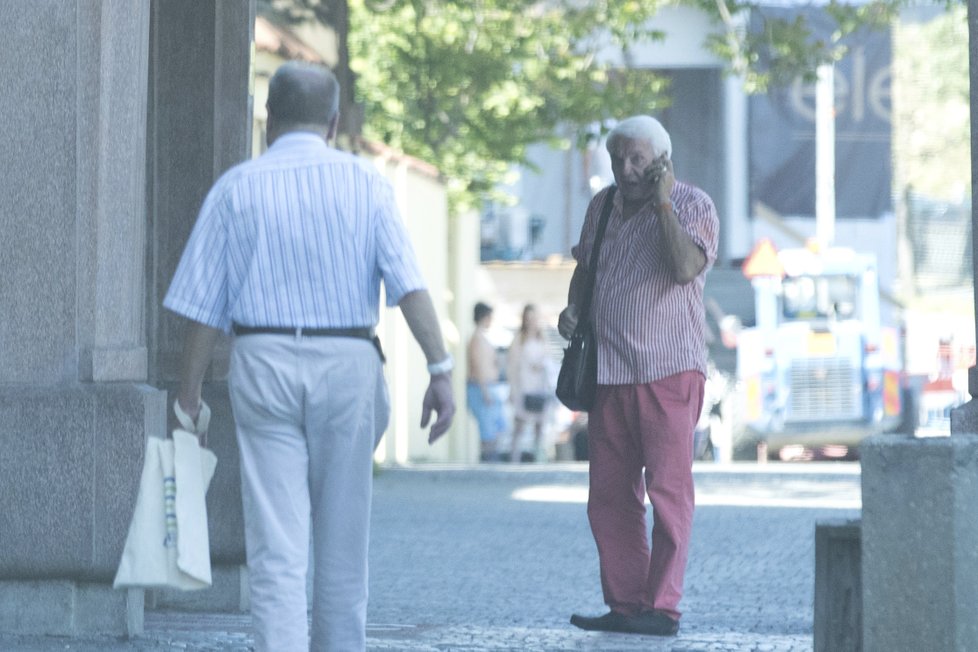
(641, 127)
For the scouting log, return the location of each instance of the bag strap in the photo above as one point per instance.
(592, 266)
(203, 418)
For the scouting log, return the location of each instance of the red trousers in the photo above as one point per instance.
(631, 428)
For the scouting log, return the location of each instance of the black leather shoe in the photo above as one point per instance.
(610, 622)
(654, 623)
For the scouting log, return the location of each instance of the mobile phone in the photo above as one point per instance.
(653, 174)
(655, 171)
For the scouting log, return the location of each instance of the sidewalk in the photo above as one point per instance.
(497, 557)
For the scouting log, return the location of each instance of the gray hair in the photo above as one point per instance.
(303, 93)
(641, 127)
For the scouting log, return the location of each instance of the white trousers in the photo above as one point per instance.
(309, 413)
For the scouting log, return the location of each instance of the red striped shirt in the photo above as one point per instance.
(648, 326)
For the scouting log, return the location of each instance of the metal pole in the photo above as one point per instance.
(973, 76)
(825, 155)
(964, 419)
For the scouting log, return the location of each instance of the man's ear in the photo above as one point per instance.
(334, 126)
(270, 127)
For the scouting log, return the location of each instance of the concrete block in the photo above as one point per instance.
(111, 108)
(920, 543)
(37, 193)
(228, 593)
(964, 419)
(71, 466)
(68, 608)
(72, 197)
(107, 365)
(838, 586)
(37, 607)
(100, 609)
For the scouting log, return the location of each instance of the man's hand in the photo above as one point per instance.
(439, 398)
(195, 421)
(190, 407)
(567, 321)
(660, 174)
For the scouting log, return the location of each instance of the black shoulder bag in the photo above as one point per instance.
(578, 378)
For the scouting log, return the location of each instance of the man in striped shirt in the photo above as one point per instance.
(649, 322)
(288, 253)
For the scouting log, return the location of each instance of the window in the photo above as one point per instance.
(820, 297)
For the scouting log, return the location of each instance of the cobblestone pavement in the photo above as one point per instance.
(498, 557)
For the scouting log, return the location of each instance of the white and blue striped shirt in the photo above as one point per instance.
(300, 237)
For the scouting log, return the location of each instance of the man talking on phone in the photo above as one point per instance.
(649, 322)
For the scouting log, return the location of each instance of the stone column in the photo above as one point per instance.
(965, 418)
(199, 126)
(919, 531)
(118, 115)
(74, 404)
(920, 543)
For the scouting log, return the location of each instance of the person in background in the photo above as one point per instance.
(288, 253)
(483, 374)
(650, 326)
(529, 371)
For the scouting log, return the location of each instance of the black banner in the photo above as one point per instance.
(782, 128)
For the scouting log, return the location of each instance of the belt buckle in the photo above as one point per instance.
(298, 333)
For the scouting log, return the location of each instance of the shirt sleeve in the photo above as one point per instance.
(199, 289)
(700, 220)
(395, 255)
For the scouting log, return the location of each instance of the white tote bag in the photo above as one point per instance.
(168, 545)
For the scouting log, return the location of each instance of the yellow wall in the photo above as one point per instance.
(424, 208)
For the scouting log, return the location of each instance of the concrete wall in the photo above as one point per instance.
(447, 250)
(73, 406)
(73, 192)
(199, 125)
(118, 115)
(421, 198)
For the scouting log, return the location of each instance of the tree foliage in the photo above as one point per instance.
(468, 84)
(931, 139)
(784, 48)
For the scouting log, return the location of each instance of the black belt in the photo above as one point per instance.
(363, 333)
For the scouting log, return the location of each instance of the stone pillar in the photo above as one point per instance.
(838, 586)
(74, 404)
(920, 534)
(965, 418)
(199, 126)
(920, 543)
(118, 115)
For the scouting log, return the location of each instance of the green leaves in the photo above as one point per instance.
(470, 85)
(931, 140)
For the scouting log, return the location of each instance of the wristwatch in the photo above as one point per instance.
(442, 367)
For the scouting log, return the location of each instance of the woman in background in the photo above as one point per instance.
(529, 370)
